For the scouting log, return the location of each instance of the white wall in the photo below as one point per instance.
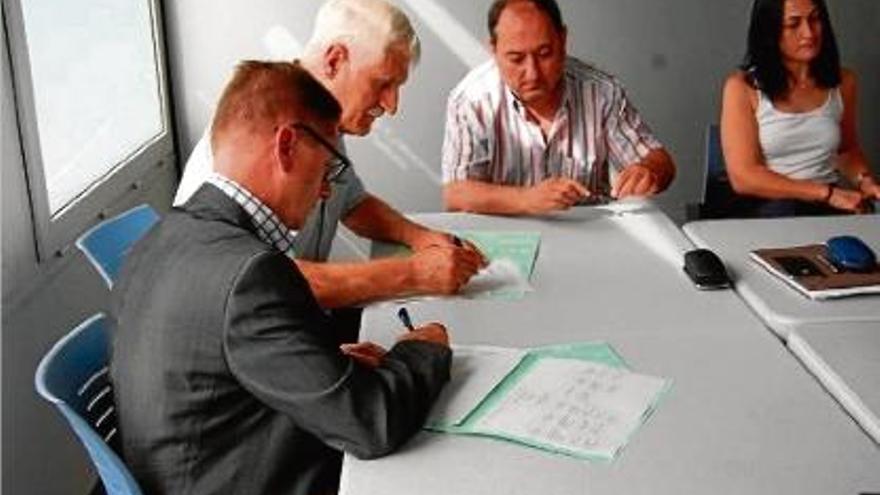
(671, 55)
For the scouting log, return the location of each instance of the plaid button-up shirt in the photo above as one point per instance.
(489, 136)
(270, 229)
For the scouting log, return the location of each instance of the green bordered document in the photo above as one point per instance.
(578, 400)
(511, 256)
(521, 248)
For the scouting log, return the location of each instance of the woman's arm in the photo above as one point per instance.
(852, 162)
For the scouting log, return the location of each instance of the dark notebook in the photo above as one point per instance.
(809, 271)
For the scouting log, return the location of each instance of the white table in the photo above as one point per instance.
(845, 358)
(743, 417)
(782, 308)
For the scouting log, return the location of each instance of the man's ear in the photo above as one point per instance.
(335, 57)
(286, 140)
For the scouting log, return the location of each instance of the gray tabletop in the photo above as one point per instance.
(781, 307)
(845, 357)
(743, 416)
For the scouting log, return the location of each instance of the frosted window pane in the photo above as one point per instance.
(96, 88)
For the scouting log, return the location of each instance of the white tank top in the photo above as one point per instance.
(801, 145)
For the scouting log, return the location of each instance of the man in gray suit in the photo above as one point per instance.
(225, 375)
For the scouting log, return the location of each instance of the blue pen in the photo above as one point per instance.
(403, 314)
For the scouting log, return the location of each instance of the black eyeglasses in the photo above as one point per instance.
(336, 166)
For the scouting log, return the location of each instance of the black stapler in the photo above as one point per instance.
(706, 270)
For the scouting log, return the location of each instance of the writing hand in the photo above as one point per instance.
(432, 332)
(444, 269)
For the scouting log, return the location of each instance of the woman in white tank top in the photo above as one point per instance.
(788, 119)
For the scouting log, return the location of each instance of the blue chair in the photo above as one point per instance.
(107, 244)
(718, 200)
(74, 377)
(715, 169)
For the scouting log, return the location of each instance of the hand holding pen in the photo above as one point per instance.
(470, 246)
(444, 268)
(432, 332)
(371, 355)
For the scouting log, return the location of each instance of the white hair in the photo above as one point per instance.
(369, 27)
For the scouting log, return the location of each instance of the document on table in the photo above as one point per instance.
(574, 406)
(520, 248)
(476, 370)
(511, 258)
(577, 399)
(501, 277)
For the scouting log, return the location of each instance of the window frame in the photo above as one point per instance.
(55, 236)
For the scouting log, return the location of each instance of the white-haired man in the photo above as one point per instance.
(361, 50)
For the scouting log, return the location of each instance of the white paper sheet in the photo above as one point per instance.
(575, 405)
(476, 370)
(501, 275)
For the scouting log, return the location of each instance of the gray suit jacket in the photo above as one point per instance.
(227, 379)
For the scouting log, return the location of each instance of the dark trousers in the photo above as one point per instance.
(773, 208)
(723, 202)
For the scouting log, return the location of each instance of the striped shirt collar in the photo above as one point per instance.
(521, 109)
(270, 228)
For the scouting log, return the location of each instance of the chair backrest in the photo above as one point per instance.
(107, 244)
(718, 199)
(713, 169)
(74, 377)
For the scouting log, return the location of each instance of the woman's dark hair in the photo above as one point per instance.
(548, 7)
(763, 60)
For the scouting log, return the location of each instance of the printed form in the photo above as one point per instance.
(575, 406)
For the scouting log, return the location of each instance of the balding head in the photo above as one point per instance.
(260, 96)
(258, 136)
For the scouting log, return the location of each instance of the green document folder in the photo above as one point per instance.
(517, 248)
(598, 353)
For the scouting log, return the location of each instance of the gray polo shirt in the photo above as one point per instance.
(315, 238)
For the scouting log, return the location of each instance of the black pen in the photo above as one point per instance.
(403, 314)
